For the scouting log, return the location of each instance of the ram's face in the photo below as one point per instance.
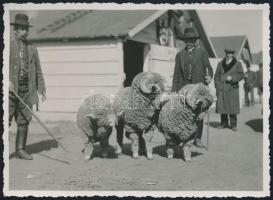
(152, 83)
(103, 132)
(105, 119)
(197, 96)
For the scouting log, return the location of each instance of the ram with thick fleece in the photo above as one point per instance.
(139, 104)
(95, 119)
(178, 116)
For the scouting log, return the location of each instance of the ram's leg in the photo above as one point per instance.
(170, 148)
(142, 146)
(134, 144)
(88, 150)
(88, 139)
(119, 137)
(148, 142)
(104, 147)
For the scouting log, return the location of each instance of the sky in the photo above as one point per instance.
(234, 22)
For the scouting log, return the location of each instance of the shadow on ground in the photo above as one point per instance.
(38, 147)
(97, 152)
(213, 124)
(178, 153)
(256, 124)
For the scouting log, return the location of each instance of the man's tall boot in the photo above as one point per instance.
(21, 139)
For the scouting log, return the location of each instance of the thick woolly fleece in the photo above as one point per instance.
(177, 120)
(100, 107)
(139, 108)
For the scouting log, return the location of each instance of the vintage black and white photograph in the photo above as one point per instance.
(136, 99)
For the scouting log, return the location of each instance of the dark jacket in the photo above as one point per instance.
(200, 63)
(259, 82)
(250, 79)
(227, 93)
(36, 80)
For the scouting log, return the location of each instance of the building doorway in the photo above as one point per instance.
(133, 60)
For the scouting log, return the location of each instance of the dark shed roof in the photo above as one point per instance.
(91, 23)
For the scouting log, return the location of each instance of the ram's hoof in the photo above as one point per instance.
(86, 158)
(150, 156)
(187, 160)
(170, 153)
(118, 151)
(135, 156)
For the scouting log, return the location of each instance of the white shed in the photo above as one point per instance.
(99, 51)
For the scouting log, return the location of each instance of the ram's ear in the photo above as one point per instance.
(120, 114)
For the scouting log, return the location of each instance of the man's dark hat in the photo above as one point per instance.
(190, 33)
(21, 20)
(229, 50)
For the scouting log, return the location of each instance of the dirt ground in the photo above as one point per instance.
(234, 161)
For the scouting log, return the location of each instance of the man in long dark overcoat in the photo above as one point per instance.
(250, 81)
(228, 74)
(25, 79)
(192, 66)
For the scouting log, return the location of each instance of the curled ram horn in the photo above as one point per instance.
(154, 87)
(198, 101)
(145, 86)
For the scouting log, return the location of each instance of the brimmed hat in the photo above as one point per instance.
(229, 50)
(21, 20)
(190, 33)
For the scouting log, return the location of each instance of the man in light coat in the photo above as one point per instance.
(228, 74)
(25, 79)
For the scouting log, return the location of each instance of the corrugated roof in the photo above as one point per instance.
(91, 23)
(233, 42)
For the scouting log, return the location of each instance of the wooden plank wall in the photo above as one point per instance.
(162, 61)
(76, 69)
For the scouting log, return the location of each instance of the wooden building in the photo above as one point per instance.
(99, 51)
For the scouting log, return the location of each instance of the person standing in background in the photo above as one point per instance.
(192, 66)
(229, 73)
(25, 79)
(250, 80)
(260, 82)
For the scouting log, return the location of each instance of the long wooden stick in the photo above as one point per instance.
(208, 131)
(38, 120)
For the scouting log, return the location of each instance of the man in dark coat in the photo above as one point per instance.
(228, 74)
(250, 80)
(192, 66)
(25, 79)
(260, 81)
